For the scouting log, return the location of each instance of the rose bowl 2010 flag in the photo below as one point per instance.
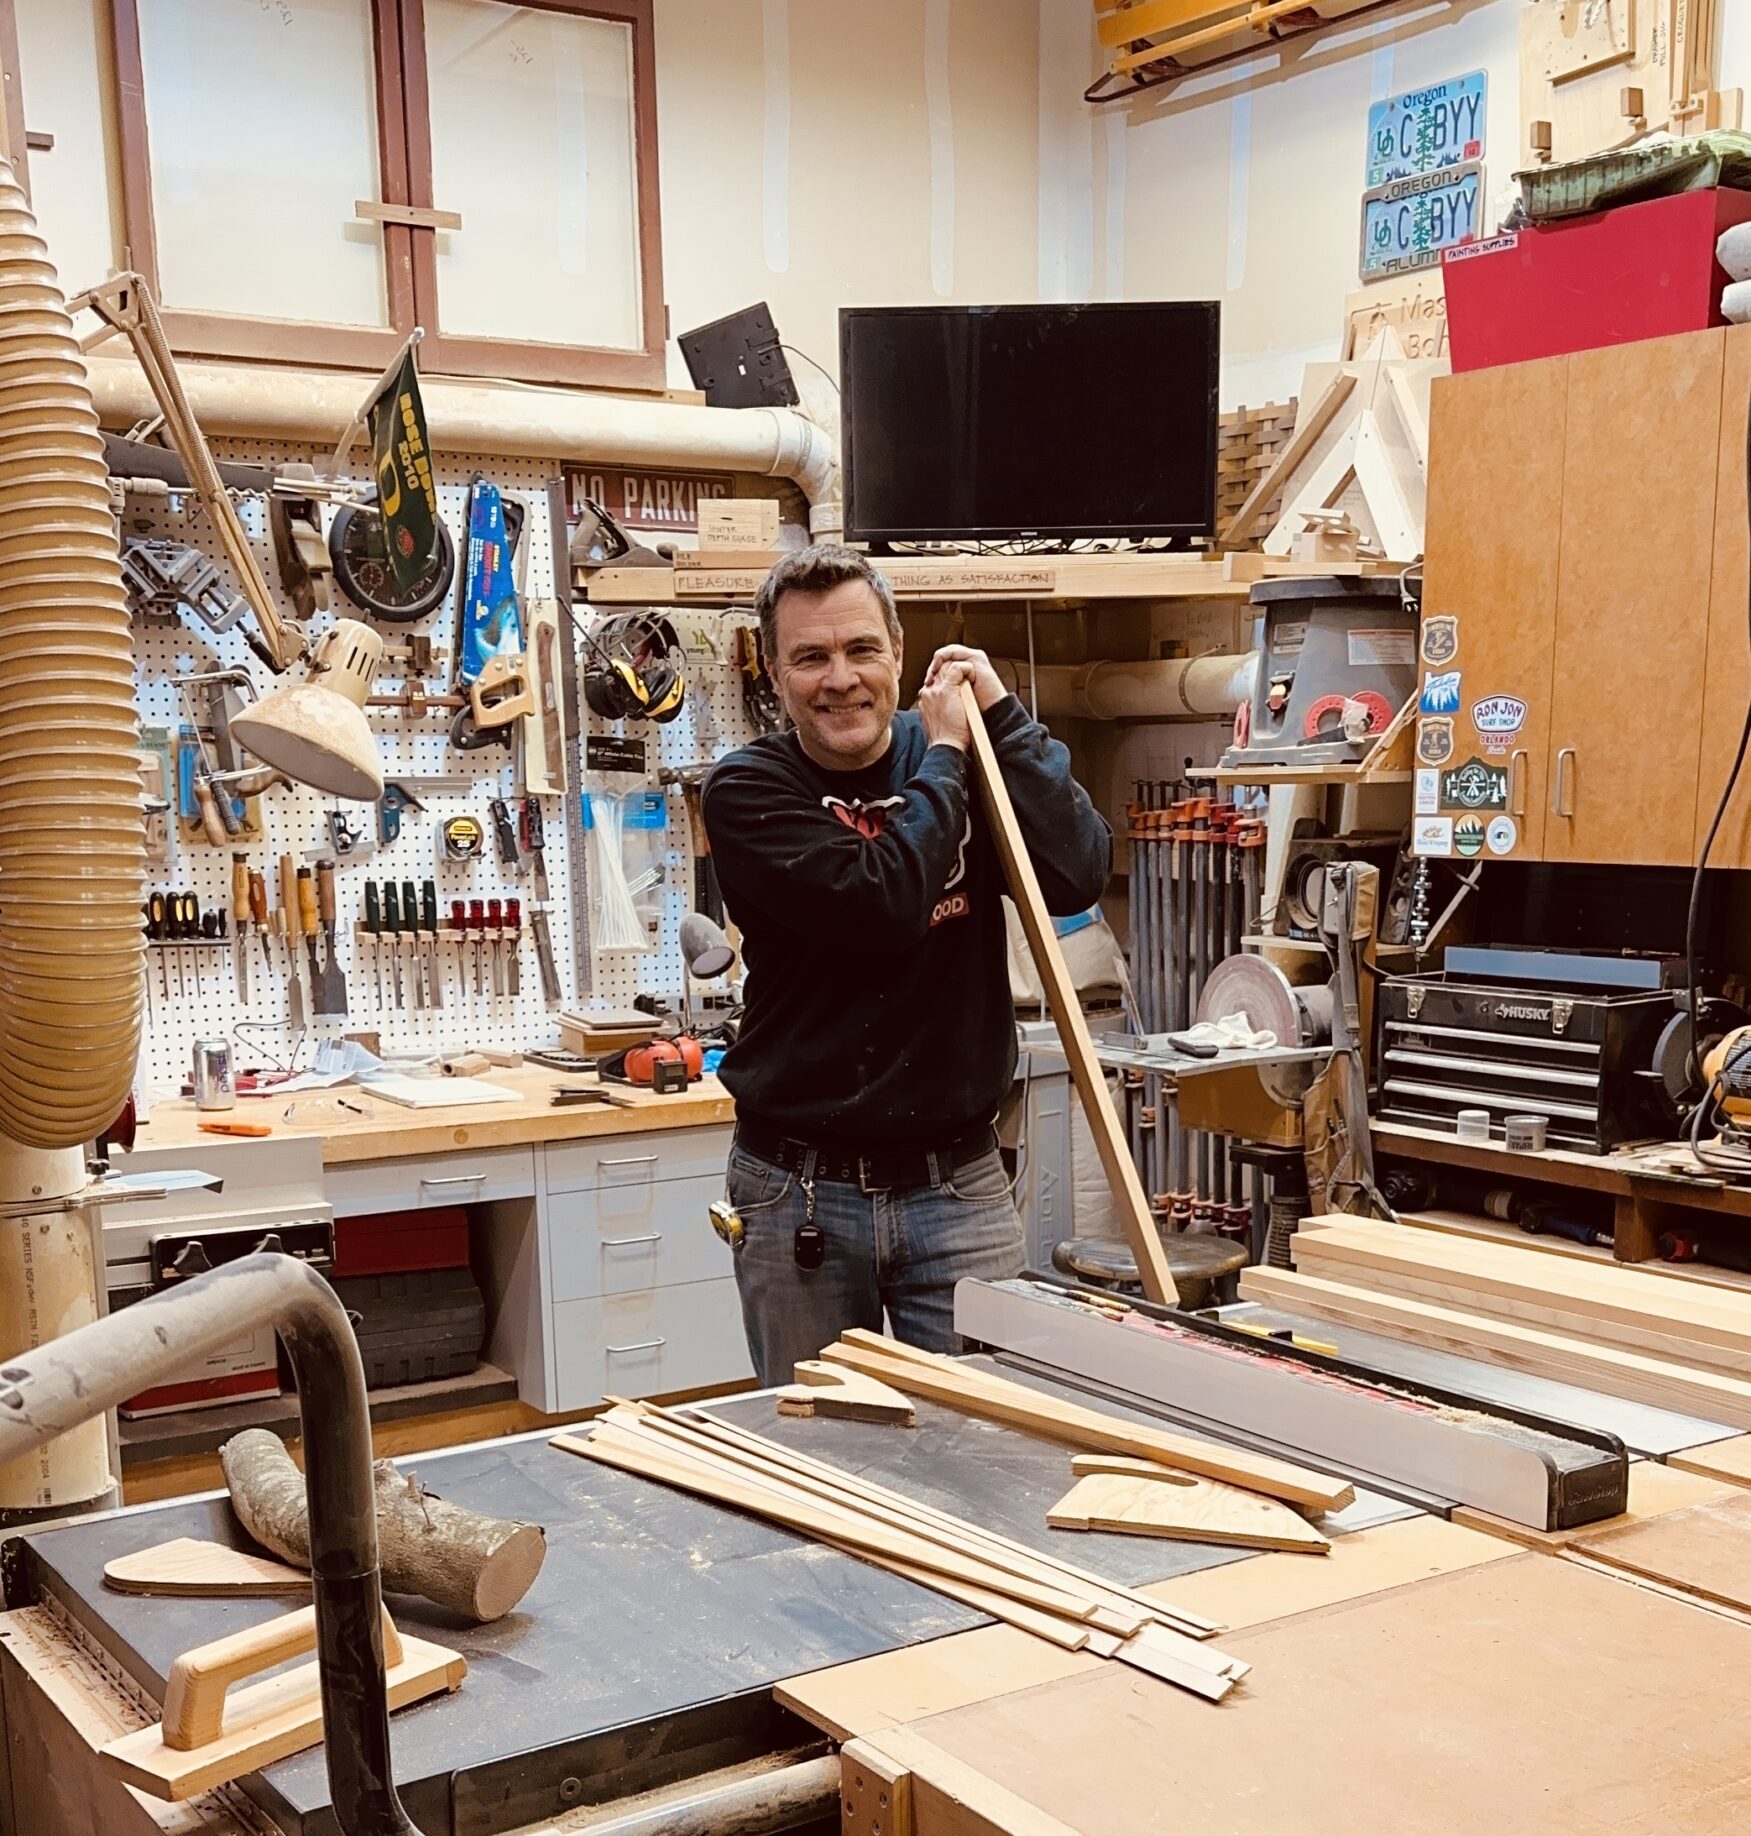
(401, 461)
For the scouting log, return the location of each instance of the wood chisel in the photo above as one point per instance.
(477, 924)
(334, 982)
(258, 915)
(240, 924)
(392, 924)
(374, 925)
(300, 1005)
(410, 917)
(309, 924)
(550, 992)
(495, 918)
(434, 952)
(459, 924)
(513, 946)
(188, 925)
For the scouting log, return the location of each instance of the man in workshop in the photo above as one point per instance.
(879, 1034)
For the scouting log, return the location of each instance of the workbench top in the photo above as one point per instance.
(392, 1132)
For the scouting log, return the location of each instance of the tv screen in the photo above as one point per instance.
(994, 422)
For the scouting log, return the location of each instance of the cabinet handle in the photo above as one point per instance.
(631, 1160)
(1517, 782)
(614, 1351)
(1556, 802)
(656, 1236)
(454, 1179)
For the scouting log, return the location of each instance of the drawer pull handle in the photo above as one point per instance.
(615, 1351)
(1557, 805)
(656, 1236)
(631, 1160)
(455, 1179)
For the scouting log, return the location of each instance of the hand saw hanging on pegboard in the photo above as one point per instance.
(489, 623)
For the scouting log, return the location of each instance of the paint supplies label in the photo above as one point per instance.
(1406, 225)
(1427, 130)
(1384, 649)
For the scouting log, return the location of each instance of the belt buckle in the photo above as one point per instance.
(863, 1184)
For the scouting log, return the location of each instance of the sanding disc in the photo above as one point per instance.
(1256, 990)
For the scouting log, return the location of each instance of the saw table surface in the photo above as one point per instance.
(656, 1612)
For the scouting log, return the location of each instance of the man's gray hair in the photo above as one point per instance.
(818, 570)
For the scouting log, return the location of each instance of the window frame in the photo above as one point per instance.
(409, 251)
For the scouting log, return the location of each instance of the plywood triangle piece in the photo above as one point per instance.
(1185, 1509)
(189, 1566)
(846, 1395)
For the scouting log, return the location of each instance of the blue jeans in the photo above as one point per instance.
(901, 1250)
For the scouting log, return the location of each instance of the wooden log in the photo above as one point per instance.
(477, 1566)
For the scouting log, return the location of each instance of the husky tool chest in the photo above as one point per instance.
(1580, 1050)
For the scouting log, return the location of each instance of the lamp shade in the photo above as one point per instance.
(704, 948)
(315, 731)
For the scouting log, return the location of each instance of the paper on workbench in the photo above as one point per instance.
(438, 1092)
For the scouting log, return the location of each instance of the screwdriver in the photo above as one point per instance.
(495, 919)
(374, 924)
(459, 924)
(240, 924)
(514, 926)
(392, 924)
(188, 924)
(434, 958)
(258, 912)
(410, 916)
(477, 924)
(158, 929)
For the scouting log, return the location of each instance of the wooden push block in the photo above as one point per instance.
(209, 1737)
(831, 1390)
(1140, 1498)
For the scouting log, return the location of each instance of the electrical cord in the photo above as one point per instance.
(814, 364)
(1694, 913)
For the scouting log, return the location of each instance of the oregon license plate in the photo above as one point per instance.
(1427, 129)
(1406, 225)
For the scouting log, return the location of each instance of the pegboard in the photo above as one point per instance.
(295, 820)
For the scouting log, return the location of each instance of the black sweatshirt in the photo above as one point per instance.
(878, 1006)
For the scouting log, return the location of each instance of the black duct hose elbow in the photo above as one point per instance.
(47, 1391)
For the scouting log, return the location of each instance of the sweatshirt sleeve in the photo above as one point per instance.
(1068, 839)
(781, 852)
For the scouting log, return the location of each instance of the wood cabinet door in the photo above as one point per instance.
(1638, 514)
(1728, 682)
(1489, 593)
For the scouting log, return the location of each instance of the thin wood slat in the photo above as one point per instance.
(997, 1400)
(1141, 1231)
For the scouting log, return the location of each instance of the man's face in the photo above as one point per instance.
(838, 673)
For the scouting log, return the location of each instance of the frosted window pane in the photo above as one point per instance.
(533, 142)
(262, 119)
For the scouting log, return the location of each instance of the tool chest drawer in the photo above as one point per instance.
(616, 1162)
(469, 1178)
(652, 1343)
(621, 1239)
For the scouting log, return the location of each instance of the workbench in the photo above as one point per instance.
(589, 1231)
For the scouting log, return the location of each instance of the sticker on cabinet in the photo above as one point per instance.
(1434, 741)
(1501, 835)
(1475, 786)
(1440, 694)
(1428, 800)
(1432, 835)
(1468, 835)
(1440, 638)
(1497, 719)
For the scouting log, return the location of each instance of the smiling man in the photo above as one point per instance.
(879, 1035)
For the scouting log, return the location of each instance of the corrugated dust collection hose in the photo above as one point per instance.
(72, 836)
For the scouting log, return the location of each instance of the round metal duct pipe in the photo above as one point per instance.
(1181, 688)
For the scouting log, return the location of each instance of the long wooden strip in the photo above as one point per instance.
(1087, 1428)
(1571, 1320)
(617, 1448)
(1003, 1547)
(1615, 1372)
(1716, 1316)
(1141, 1231)
(669, 1439)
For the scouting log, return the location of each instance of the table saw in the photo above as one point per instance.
(665, 1636)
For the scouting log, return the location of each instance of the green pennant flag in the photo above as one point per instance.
(402, 463)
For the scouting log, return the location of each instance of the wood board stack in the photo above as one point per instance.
(1036, 1593)
(1248, 444)
(1683, 1346)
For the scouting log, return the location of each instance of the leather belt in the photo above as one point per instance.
(892, 1170)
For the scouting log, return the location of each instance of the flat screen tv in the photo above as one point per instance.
(991, 423)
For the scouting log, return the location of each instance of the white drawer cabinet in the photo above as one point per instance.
(649, 1236)
(622, 1163)
(474, 1176)
(648, 1343)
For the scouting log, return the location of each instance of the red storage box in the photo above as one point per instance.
(394, 1242)
(1639, 271)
